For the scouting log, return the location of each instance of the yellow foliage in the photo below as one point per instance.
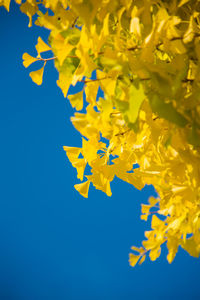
(147, 62)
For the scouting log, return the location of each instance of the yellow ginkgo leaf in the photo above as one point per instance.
(172, 245)
(155, 253)
(153, 201)
(144, 217)
(191, 246)
(29, 9)
(79, 164)
(6, 4)
(28, 59)
(83, 188)
(91, 90)
(156, 222)
(37, 76)
(64, 82)
(72, 153)
(133, 259)
(145, 208)
(107, 188)
(41, 46)
(76, 100)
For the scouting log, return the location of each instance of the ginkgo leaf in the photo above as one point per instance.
(28, 59)
(79, 164)
(191, 246)
(156, 222)
(145, 209)
(41, 46)
(64, 82)
(100, 182)
(172, 245)
(83, 188)
(144, 217)
(108, 189)
(29, 9)
(155, 253)
(6, 4)
(91, 90)
(133, 259)
(76, 100)
(37, 76)
(153, 201)
(72, 153)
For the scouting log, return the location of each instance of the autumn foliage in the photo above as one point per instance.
(146, 127)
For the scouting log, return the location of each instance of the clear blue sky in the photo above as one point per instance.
(54, 244)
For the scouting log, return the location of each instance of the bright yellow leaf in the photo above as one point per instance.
(145, 209)
(28, 59)
(156, 222)
(83, 188)
(155, 253)
(41, 46)
(80, 165)
(172, 245)
(144, 217)
(133, 259)
(76, 100)
(191, 246)
(64, 82)
(91, 90)
(5, 3)
(37, 76)
(29, 9)
(72, 153)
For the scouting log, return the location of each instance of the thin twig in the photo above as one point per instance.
(122, 133)
(92, 80)
(47, 59)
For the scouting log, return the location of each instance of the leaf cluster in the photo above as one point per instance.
(146, 55)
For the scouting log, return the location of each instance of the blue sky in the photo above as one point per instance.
(54, 244)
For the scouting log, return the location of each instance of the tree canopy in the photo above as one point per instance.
(145, 129)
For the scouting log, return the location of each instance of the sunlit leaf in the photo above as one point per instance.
(76, 100)
(41, 46)
(83, 188)
(28, 59)
(37, 76)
